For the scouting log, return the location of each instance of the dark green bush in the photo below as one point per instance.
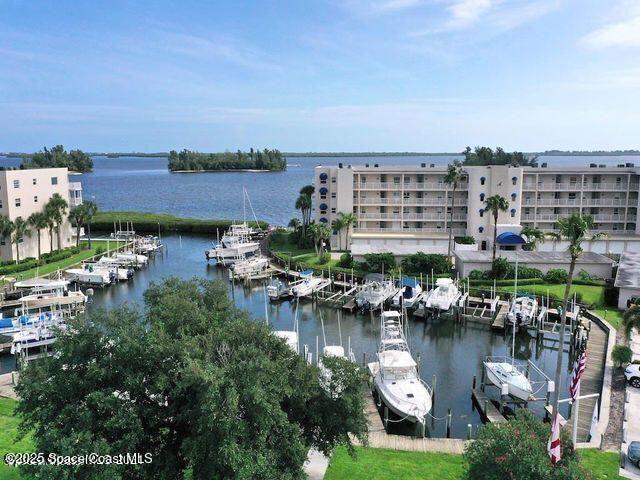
(500, 268)
(466, 240)
(378, 262)
(324, 258)
(346, 260)
(476, 274)
(556, 275)
(425, 263)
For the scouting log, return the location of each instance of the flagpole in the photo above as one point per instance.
(574, 435)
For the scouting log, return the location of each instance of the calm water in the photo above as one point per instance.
(145, 184)
(452, 352)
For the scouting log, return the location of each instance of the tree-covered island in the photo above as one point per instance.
(58, 157)
(188, 161)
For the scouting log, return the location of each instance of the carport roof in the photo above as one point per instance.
(628, 271)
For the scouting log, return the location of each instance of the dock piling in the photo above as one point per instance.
(469, 427)
(449, 423)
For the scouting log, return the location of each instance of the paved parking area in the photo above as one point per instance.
(631, 425)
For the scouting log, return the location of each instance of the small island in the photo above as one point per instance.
(265, 160)
(58, 157)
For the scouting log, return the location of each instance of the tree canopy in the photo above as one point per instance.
(56, 157)
(482, 156)
(253, 159)
(190, 380)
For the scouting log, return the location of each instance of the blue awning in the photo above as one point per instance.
(510, 238)
(408, 282)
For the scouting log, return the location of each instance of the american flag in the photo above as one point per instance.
(578, 368)
(553, 446)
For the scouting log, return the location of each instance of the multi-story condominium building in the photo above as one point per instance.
(23, 192)
(405, 209)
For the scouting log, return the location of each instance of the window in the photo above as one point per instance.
(333, 210)
(17, 202)
(396, 180)
(16, 184)
(35, 182)
(482, 180)
(333, 194)
(513, 212)
(406, 195)
(333, 179)
(323, 178)
(514, 180)
(513, 197)
(482, 197)
(20, 240)
(572, 195)
(480, 229)
(481, 212)
(54, 180)
(323, 220)
(323, 192)
(35, 199)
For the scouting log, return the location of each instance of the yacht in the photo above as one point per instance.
(119, 272)
(395, 373)
(308, 284)
(248, 267)
(135, 258)
(409, 294)
(443, 296)
(232, 248)
(523, 310)
(375, 292)
(277, 289)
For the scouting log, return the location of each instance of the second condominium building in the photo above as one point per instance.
(405, 209)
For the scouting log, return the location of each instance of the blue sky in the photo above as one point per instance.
(354, 75)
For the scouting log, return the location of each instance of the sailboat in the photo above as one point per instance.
(395, 373)
(332, 351)
(289, 336)
(504, 371)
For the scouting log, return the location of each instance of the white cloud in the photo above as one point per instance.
(468, 12)
(393, 5)
(625, 33)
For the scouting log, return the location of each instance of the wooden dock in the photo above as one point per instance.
(501, 316)
(486, 407)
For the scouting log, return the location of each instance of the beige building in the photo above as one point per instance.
(23, 192)
(405, 209)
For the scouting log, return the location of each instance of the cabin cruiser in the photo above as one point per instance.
(119, 272)
(277, 289)
(504, 371)
(375, 292)
(409, 294)
(395, 373)
(443, 296)
(44, 293)
(248, 267)
(148, 245)
(88, 275)
(523, 310)
(232, 248)
(307, 284)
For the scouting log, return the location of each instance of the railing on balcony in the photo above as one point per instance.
(456, 231)
(586, 202)
(406, 186)
(587, 187)
(460, 202)
(552, 217)
(411, 216)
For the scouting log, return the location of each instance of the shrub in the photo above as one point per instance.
(346, 260)
(377, 262)
(584, 275)
(467, 240)
(324, 258)
(425, 263)
(621, 354)
(611, 296)
(528, 272)
(518, 449)
(500, 268)
(556, 275)
(101, 249)
(476, 274)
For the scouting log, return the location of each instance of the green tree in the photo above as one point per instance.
(56, 208)
(379, 262)
(534, 237)
(304, 204)
(320, 233)
(50, 216)
(495, 204)
(621, 354)
(517, 449)
(419, 263)
(6, 228)
(21, 229)
(191, 380)
(349, 221)
(58, 157)
(90, 210)
(630, 318)
(338, 225)
(574, 229)
(452, 178)
(38, 221)
(486, 156)
(77, 219)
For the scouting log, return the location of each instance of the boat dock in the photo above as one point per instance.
(487, 409)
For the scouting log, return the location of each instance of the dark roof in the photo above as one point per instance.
(509, 238)
(628, 270)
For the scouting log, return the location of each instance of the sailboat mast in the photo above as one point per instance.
(513, 336)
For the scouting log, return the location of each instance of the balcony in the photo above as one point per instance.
(586, 187)
(460, 202)
(420, 217)
(455, 231)
(586, 202)
(552, 217)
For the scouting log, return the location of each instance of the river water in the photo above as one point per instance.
(450, 351)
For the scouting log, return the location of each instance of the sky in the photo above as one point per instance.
(315, 75)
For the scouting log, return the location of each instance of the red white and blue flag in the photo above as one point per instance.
(578, 368)
(553, 446)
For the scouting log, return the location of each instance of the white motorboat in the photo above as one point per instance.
(42, 293)
(504, 371)
(132, 257)
(523, 310)
(308, 284)
(119, 272)
(443, 296)
(290, 337)
(396, 373)
(39, 335)
(88, 275)
(332, 351)
(277, 289)
(11, 326)
(375, 292)
(249, 266)
(409, 294)
(232, 248)
(147, 245)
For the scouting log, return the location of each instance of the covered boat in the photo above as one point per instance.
(409, 294)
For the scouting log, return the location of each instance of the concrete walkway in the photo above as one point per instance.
(316, 465)
(631, 425)
(7, 384)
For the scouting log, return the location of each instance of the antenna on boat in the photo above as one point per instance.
(295, 317)
(513, 327)
(252, 210)
(324, 336)
(339, 329)
(266, 311)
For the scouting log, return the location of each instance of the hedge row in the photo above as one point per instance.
(534, 281)
(29, 263)
(149, 223)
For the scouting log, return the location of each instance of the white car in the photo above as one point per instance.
(632, 372)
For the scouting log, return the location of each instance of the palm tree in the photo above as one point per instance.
(77, 218)
(323, 234)
(6, 228)
(58, 207)
(91, 208)
(49, 215)
(453, 176)
(631, 318)
(575, 229)
(303, 203)
(495, 204)
(338, 225)
(38, 220)
(350, 220)
(294, 223)
(21, 229)
(534, 237)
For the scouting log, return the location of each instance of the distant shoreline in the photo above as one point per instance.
(251, 170)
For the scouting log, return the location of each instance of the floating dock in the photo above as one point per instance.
(487, 409)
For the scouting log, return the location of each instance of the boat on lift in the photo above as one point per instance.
(333, 351)
(523, 310)
(278, 290)
(308, 284)
(88, 275)
(11, 326)
(395, 374)
(290, 337)
(232, 248)
(375, 292)
(409, 294)
(248, 267)
(443, 296)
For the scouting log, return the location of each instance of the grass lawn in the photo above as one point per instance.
(602, 465)
(8, 433)
(611, 315)
(378, 464)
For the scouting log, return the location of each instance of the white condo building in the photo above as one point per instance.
(23, 192)
(405, 209)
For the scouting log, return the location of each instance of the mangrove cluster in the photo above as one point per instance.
(57, 157)
(266, 159)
